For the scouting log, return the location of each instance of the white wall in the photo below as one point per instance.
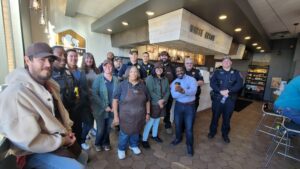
(96, 43)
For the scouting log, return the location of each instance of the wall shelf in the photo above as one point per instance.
(255, 82)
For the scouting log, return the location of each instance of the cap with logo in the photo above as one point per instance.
(226, 57)
(132, 51)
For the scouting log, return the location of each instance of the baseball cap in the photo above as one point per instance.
(40, 49)
(117, 58)
(226, 57)
(106, 62)
(132, 51)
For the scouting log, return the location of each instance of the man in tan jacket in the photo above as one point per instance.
(33, 117)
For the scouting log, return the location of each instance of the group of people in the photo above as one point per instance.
(50, 106)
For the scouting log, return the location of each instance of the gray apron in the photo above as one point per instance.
(133, 111)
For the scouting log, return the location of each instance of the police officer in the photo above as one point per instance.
(146, 67)
(133, 61)
(226, 83)
(195, 73)
(64, 78)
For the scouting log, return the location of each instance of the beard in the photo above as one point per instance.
(46, 76)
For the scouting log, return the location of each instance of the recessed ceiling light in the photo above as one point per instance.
(125, 23)
(258, 47)
(254, 44)
(238, 29)
(149, 13)
(262, 50)
(109, 30)
(247, 37)
(222, 17)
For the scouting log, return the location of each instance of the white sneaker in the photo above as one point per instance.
(98, 148)
(135, 150)
(121, 154)
(85, 146)
(93, 132)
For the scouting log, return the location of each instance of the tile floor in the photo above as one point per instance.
(246, 150)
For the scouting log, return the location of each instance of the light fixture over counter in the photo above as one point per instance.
(176, 55)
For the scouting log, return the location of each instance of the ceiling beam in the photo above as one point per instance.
(117, 12)
(71, 7)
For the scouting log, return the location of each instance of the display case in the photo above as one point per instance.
(255, 82)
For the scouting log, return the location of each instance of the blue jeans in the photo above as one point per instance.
(51, 161)
(87, 125)
(103, 129)
(152, 122)
(124, 138)
(184, 114)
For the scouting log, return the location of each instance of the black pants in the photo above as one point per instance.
(226, 110)
(167, 116)
(197, 102)
(77, 125)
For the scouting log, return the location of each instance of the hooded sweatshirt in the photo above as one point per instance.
(27, 114)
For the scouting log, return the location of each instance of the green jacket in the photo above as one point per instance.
(100, 96)
(156, 90)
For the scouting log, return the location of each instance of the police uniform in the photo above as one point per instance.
(195, 73)
(222, 80)
(66, 82)
(146, 70)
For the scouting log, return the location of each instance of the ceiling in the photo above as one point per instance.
(257, 18)
(278, 17)
(97, 8)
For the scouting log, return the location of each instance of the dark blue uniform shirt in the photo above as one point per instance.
(222, 80)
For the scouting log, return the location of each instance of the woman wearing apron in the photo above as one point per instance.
(131, 106)
(159, 90)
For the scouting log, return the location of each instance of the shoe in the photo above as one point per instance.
(169, 130)
(93, 132)
(226, 139)
(175, 142)
(85, 146)
(135, 150)
(98, 148)
(121, 154)
(210, 136)
(107, 148)
(157, 139)
(145, 144)
(190, 151)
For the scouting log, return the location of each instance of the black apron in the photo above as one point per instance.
(133, 111)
